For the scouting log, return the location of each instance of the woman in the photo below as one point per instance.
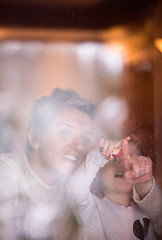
(32, 186)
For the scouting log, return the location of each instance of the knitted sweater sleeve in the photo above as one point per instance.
(8, 191)
(79, 195)
(152, 206)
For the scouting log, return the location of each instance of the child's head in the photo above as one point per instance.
(110, 178)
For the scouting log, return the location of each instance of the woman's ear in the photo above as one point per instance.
(32, 139)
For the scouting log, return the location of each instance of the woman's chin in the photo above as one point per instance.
(67, 168)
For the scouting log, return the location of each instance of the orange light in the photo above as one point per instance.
(158, 44)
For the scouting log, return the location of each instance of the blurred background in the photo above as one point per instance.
(109, 51)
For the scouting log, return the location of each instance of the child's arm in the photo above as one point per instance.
(151, 204)
(79, 195)
(147, 194)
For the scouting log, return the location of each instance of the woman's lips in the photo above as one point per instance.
(69, 157)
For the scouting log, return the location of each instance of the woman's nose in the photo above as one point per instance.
(77, 143)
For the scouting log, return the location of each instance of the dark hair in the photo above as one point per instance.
(44, 109)
(143, 138)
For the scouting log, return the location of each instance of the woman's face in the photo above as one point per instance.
(66, 142)
(112, 174)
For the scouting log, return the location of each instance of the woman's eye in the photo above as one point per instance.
(64, 132)
(85, 139)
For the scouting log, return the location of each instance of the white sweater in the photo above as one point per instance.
(30, 209)
(102, 219)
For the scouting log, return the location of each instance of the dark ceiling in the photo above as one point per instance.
(98, 14)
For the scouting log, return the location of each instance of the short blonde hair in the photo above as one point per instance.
(45, 109)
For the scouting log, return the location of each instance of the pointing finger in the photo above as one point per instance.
(126, 156)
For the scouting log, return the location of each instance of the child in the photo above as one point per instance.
(112, 214)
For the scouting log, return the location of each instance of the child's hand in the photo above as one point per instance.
(138, 171)
(108, 148)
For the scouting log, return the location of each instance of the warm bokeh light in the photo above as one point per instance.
(158, 44)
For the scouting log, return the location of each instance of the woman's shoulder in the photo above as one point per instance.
(10, 161)
(9, 174)
(10, 167)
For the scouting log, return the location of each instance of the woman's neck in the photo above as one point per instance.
(46, 175)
